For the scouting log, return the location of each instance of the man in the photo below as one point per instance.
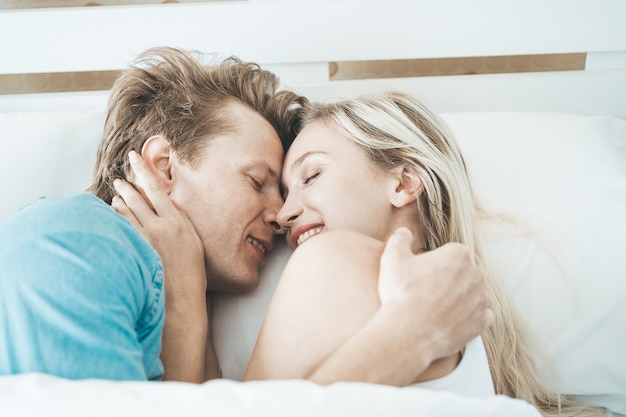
(83, 292)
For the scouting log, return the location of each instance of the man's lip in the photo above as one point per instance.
(296, 234)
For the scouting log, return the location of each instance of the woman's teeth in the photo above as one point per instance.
(311, 232)
(256, 243)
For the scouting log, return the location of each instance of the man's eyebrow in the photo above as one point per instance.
(261, 165)
(273, 173)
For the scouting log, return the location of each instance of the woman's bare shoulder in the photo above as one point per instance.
(340, 242)
(339, 250)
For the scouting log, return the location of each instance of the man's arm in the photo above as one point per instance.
(422, 317)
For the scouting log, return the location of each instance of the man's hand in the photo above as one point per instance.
(442, 291)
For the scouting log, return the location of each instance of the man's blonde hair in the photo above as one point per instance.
(169, 92)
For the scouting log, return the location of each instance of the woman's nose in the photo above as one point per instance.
(289, 212)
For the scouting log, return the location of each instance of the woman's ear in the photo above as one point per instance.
(157, 152)
(408, 188)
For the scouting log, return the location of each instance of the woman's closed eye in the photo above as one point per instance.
(309, 179)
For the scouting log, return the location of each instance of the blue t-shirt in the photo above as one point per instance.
(81, 293)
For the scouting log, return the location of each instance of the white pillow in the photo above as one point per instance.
(45, 153)
(238, 318)
(565, 174)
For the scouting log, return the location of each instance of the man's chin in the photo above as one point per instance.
(235, 285)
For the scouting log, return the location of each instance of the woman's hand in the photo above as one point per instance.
(174, 237)
(167, 229)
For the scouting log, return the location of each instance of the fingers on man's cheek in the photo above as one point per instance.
(118, 204)
(125, 192)
(117, 183)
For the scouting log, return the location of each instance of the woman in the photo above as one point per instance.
(358, 171)
(371, 165)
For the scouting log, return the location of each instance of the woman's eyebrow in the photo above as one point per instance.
(296, 164)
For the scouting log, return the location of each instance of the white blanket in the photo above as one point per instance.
(43, 395)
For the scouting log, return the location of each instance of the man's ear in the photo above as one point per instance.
(408, 186)
(157, 152)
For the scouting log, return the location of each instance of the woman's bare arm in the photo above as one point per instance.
(186, 330)
(332, 318)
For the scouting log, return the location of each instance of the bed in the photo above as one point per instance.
(535, 92)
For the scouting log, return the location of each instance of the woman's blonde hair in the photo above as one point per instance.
(170, 92)
(394, 129)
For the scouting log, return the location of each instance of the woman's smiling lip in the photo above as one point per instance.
(301, 233)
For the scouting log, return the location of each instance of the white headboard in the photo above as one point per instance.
(299, 38)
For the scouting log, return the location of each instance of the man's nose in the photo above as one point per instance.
(278, 229)
(272, 215)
